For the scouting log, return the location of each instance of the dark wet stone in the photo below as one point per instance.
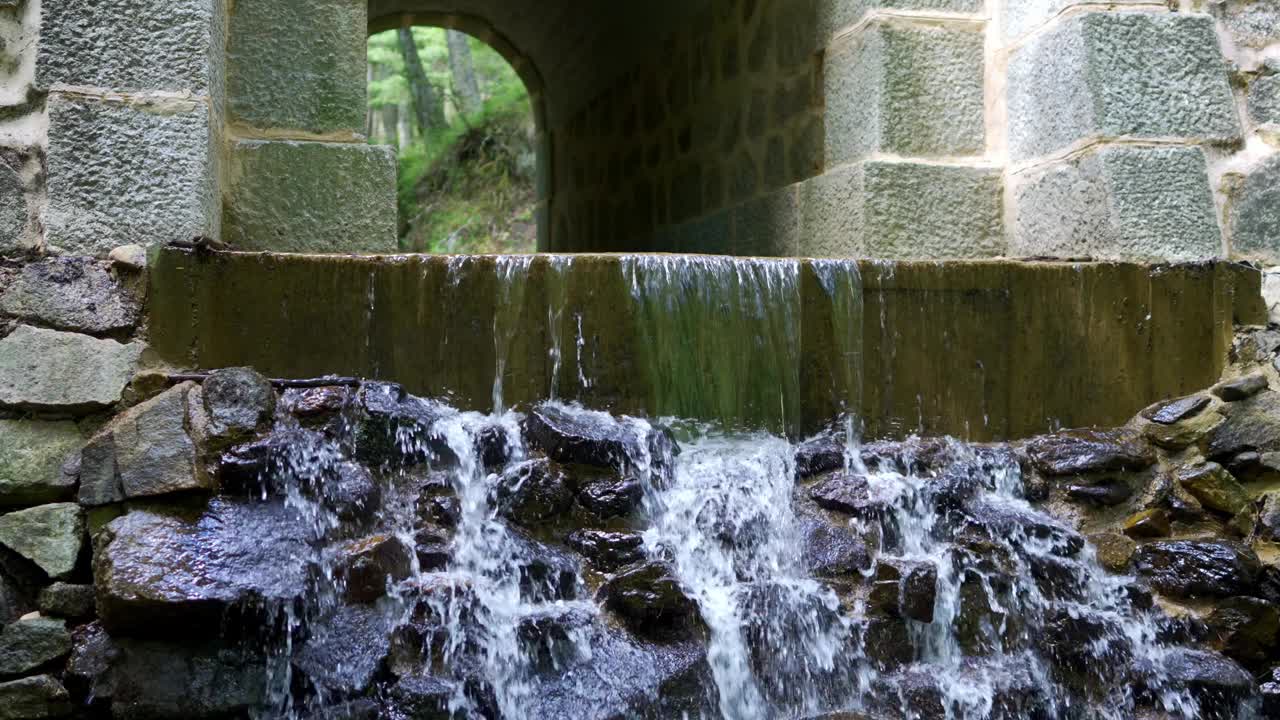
(1194, 569)
(26, 646)
(1153, 523)
(238, 402)
(314, 406)
(1216, 682)
(393, 427)
(830, 549)
(581, 437)
(367, 566)
(345, 650)
(547, 637)
(445, 510)
(1057, 578)
(493, 447)
(1077, 452)
(650, 601)
(34, 698)
(1108, 494)
(267, 467)
(1170, 412)
(1086, 650)
(64, 600)
(1013, 523)
(1241, 388)
(608, 497)
(821, 454)
(917, 456)
(1250, 425)
(1214, 488)
(905, 589)
(156, 571)
(607, 551)
(432, 547)
(1268, 525)
(887, 641)
(547, 574)
(533, 493)
(852, 495)
(421, 697)
(1244, 629)
(1269, 692)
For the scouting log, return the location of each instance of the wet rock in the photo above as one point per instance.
(345, 650)
(1216, 682)
(237, 402)
(887, 643)
(32, 456)
(650, 601)
(1252, 424)
(581, 437)
(1058, 579)
(982, 625)
(818, 455)
(547, 574)
(1170, 412)
(905, 589)
(1244, 629)
(27, 646)
(1196, 569)
(1214, 487)
(1077, 452)
(192, 679)
(547, 637)
(1114, 551)
(493, 447)
(1153, 523)
(1269, 692)
(367, 566)
(1241, 388)
(1086, 650)
(155, 571)
(534, 492)
(916, 456)
(431, 544)
(393, 427)
(50, 536)
(853, 494)
(445, 510)
(1183, 434)
(422, 697)
(610, 497)
(831, 550)
(71, 293)
(34, 698)
(1250, 466)
(315, 406)
(1108, 493)
(1016, 523)
(1268, 524)
(64, 600)
(607, 551)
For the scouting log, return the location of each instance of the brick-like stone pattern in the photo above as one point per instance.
(1254, 213)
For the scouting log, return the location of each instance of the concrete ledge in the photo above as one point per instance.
(982, 350)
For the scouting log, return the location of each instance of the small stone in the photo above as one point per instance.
(49, 536)
(99, 472)
(238, 401)
(818, 455)
(1076, 452)
(1114, 551)
(1241, 388)
(607, 551)
(905, 589)
(28, 645)
(611, 497)
(1215, 488)
(366, 567)
(34, 698)
(1244, 629)
(534, 493)
(79, 294)
(153, 452)
(650, 600)
(1198, 569)
(32, 456)
(1109, 493)
(129, 257)
(47, 370)
(316, 405)
(64, 600)
(1152, 523)
(852, 495)
(1175, 411)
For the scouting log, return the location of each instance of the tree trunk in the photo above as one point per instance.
(405, 125)
(426, 106)
(465, 88)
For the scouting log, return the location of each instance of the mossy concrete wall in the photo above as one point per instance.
(977, 349)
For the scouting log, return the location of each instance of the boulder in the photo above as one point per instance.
(1198, 569)
(315, 406)
(855, 495)
(1077, 452)
(650, 601)
(533, 493)
(607, 551)
(1012, 522)
(832, 549)
(237, 402)
(1241, 388)
(50, 536)
(27, 646)
(32, 459)
(608, 497)
(1152, 523)
(1252, 424)
(583, 437)
(1244, 629)
(365, 568)
(819, 455)
(148, 448)
(156, 571)
(1218, 684)
(423, 697)
(1108, 493)
(1214, 487)
(34, 698)
(72, 293)
(60, 372)
(1174, 411)
(64, 600)
(1114, 551)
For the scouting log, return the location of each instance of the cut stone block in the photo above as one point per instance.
(1251, 23)
(768, 226)
(837, 15)
(47, 370)
(154, 453)
(1106, 75)
(1023, 16)
(13, 209)
(1118, 203)
(312, 197)
(298, 64)
(904, 210)
(905, 88)
(75, 293)
(49, 536)
(1264, 99)
(32, 454)
(126, 173)
(1255, 214)
(131, 45)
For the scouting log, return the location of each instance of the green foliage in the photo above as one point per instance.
(467, 187)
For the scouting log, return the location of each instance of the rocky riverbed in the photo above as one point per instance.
(226, 548)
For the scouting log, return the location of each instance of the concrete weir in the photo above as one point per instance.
(981, 350)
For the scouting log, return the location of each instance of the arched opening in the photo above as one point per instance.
(463, 126)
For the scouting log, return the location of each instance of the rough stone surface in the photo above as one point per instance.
(1241, 388)
(1251, 24)
(78, 294)
(1075, 452)
(836, 15)
(1170, 412)
(311, 197)
(34, 698)
(28, 645)
(99, 472)
(1198, 569)
(237, 401)
(1255, 214)
(130, 45)
(298, 64)
(1114, 551)
(1215, 488)
(1253, 424)
(65, 600)
(48, 535)
(56, 371)
(1264, 99)
(13, 209)
(905, 88)
(1022, 17)
(32, 454)
(1118, 203)
(1119, 74)
(768, 226)
(153, 452)
(932, 211)
(121, 174)
(831, 207)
